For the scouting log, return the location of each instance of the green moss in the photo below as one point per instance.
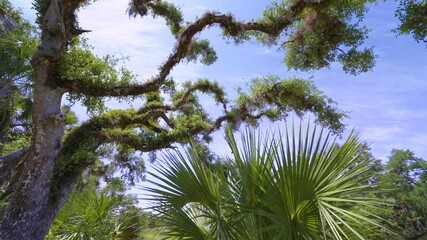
(93, 73)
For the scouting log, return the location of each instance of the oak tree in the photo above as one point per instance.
(404, 178)
(312, 34)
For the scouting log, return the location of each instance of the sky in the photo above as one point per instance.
(386, 105)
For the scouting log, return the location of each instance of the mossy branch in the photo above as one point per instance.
(82, 86)
(302, 21)
(185, 35)
(268, 97)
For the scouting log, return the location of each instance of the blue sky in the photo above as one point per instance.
(387, 104)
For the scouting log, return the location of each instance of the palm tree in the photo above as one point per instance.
(18, 42)
(92, 214)
(300, 186)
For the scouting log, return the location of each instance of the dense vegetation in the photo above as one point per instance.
(300, 185)
(49, 157)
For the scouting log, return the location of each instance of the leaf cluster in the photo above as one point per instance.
(276, 98)
(322, 33)
(405, 177)
(79, 63)
(18, 42)
(97, 214)
(412, 15)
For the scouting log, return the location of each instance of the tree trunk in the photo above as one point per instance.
(33, 205)
(29, 214)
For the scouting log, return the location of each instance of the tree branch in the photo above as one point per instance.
(9, 162)
(84, 87)
(141, 130)
(227, 22)
(271, 97)
(204, 86)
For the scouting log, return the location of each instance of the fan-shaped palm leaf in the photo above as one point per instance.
(90, 214)
(18, 43)
(300, 186)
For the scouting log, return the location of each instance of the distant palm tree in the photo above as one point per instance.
(300, 186)
(18, 42)
(92, 214)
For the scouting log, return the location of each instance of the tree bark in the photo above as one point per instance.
(29, 214)
(31, 210)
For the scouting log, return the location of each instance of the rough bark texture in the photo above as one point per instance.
(30, 212)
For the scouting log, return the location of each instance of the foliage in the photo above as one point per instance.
(313, 34)
(18, 42)
(79, 62)
(323, 33)
(92, 214)
(300, 186)
(405, 177)
(412, 15)
(91, 79)
(268, 95)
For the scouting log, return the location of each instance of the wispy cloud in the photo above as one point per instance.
(195, 9)
(266, 51)
(147, 41)
(381, 133)
(405, 114)
(113, 32)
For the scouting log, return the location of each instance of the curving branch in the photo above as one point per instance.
(145, 141)
(139, 141)
(203, 86)
(185, 38)
(271, 97)
(140, 129)
(238, 30)
(272, 101)
(233, 28)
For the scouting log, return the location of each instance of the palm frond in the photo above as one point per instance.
(300, 185)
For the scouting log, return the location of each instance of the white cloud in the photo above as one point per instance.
(146, 41)
(186, 71)
(381, 133)
(114, 33)
(202, 7)
(420, 139)
(266, 51)
(25, 5)
(196, 9)
(405, 114)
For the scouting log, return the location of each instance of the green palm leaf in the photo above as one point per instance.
(301, 185)
(90, 214)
